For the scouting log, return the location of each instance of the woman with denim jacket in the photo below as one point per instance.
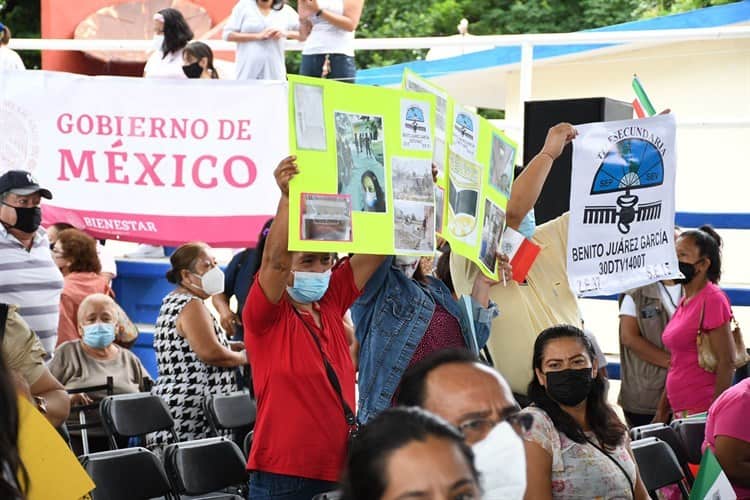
(402, 316)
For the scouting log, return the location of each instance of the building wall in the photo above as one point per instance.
(698, 81)
(60, 18)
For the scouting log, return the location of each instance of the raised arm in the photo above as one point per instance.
(277, 259)
(528, 185)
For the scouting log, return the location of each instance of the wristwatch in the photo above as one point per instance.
(319, 13)
(41, 403)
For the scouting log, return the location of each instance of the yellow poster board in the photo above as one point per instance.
(52, 468)
(364, 155)
(475, 163)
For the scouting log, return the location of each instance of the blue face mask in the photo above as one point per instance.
(528, 225)
(309, 287)
(99, 335)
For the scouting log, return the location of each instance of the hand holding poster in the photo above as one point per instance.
(621, 232)
(365, 182)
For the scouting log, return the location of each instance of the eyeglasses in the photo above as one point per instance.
(477, 429)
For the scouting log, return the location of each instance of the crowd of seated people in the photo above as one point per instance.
(434, 419)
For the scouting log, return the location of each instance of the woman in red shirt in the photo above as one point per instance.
(293, 321)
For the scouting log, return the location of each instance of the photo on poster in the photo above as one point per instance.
(360, 157)
(464, 184)
(309, 117)
(415, 125)
(414, 226)
(492, 230)
(326, 217)
(441, 104)
(412, 179)
(439, 208)
(501, 165)
(465, 133)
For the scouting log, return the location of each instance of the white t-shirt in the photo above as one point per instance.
(10, 60)
(164, 67)
(627, 308)
(325, 38)
(262, 59)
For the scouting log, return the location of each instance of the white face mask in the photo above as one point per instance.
(501, 462)
(407, 264)
(370, 198)
(212, 283)
(157, 42)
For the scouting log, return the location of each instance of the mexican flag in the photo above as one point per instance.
(711, 483)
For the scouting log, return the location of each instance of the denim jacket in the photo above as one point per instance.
(391, 317)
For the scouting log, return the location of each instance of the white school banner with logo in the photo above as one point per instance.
(149, 160)
(621, 231)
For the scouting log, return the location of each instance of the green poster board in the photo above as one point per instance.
(475, 163)
(365, 182)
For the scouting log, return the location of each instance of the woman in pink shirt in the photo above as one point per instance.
(728, 435)
(691, 389)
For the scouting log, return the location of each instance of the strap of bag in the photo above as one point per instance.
(351, 420)
(631, 482)
(700, 322)
(3, 320)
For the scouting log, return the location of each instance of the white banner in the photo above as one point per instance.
(621, 231)
(149, 160)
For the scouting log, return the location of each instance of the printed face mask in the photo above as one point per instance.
(309, 287)
(193, 70)
(407, 264)
(28, 219)
(569, 387)
(501, 460)
(99, 335)
(212, 282)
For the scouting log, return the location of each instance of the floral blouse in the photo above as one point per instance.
(580, 470)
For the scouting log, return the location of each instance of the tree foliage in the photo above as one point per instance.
(23, 17)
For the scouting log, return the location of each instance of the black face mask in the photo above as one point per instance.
(688, 270)
(569, 387)
(193, 70)
(28, 219)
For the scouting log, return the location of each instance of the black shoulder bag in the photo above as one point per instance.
(351, 420)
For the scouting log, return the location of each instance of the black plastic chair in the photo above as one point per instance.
(669, 436)
(135, 415)
(658, 465)
(128, 474)
(231, 411)
(83, 425)
(692, 432)
(213, 465)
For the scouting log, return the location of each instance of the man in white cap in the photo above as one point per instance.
(29, 277)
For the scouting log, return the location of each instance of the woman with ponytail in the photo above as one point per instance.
(691, 389)
(577, 447)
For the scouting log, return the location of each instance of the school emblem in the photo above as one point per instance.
(631, 165)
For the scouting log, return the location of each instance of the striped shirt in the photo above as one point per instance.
(30, 279)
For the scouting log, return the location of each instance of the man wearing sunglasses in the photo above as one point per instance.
(476, 399)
